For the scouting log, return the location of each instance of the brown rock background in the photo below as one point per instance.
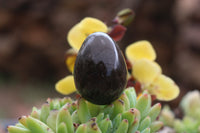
(33, 42)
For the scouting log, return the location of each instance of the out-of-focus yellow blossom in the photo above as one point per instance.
(70, 62)
(164, 88)
(139, 50)
(70, 59)
(145, 70)
(80, 31)
(66, 85)
(76, 37)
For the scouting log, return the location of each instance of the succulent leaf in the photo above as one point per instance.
(62, 128)
(154, 111)
(147, 130)
(190, 122)
(44, 112)
(82, 129)
(129, 115)
(156, 125)
(119, 107)
(145, 123)
(51, 120)
(131, 94)
(108, 109)
(65, 117)
(134, 126)
(36, 126)
(116, 122)
(93, 109)
(35, 113)
(125, 115)
(105, 125)
(126, 101)
(123, 126)
(144, 104)
(83, 111)
(15, 129)
(22, 121)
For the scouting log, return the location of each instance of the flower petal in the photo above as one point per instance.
(90, 25)
(140, 50)
(70, 59)
(75, 37)
(80, 31)
(145, 71)
(164, 88)
(66, 85)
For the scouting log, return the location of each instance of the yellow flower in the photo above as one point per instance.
(141, 54)
(66, 85)
(70, 59)
(70, 62)
(80, 31)
(76, 37)
(145, 70)
(164, 88)
(139, 50)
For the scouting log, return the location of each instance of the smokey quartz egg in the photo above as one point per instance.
(100, 70)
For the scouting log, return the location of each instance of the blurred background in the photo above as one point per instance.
(33, 44)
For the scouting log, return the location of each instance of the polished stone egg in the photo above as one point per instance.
(100, 71)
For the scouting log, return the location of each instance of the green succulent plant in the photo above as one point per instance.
(190, 123)
(125, 115)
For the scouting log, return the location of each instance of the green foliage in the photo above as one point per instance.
(190, 123)
(125, 115)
